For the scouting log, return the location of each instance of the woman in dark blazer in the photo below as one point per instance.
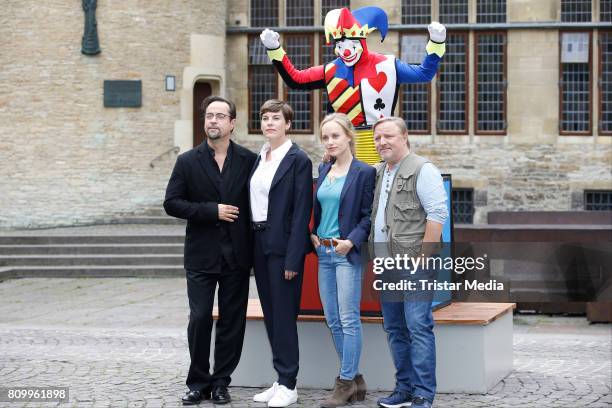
(342, 207)
(281, 203)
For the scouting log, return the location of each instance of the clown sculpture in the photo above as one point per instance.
(362, 84)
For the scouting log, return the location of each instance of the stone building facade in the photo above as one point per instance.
(67, 159)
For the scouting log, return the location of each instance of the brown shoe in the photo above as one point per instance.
(344, 391)
(360, 394)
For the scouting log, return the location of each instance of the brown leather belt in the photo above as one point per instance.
(328, 242)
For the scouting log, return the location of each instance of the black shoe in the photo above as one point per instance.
(195, 397)
(220, 395)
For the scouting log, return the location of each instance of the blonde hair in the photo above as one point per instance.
(347, 126)
(399, 123)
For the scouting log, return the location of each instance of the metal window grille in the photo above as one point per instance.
(262, 81)
(575, 11)
(605, 10)
(598, 200)
(327, 55)
(463, 205)
(453, 11)
(575, 95)
(416, 11)
(328, 5)
(300, 13)
(452, 86)
(299, 47)
(415, 98)
(605, 82)
(264, 13)
(491, 82)
(491, 11)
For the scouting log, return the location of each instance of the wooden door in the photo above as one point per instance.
(200, 91)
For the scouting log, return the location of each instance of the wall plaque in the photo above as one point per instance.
(122, 94)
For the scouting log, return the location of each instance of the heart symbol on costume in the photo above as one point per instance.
(379, 82)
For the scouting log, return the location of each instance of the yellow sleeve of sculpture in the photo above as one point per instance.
(277, 54)
(435, 48)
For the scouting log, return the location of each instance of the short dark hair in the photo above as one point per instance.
(213, 98)
(274, 105)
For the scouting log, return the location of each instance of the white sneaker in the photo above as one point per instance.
(283, 397)
(267, 394)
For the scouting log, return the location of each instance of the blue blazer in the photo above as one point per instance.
(355, 204)
(289, 209)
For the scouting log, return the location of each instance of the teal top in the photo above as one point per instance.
(329, 198)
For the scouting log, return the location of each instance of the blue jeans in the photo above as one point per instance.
(340, 291)
(409, 326)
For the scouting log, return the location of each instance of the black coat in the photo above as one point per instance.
(192, 195)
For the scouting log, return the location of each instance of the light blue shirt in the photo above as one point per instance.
(329, 197)
(431, 193)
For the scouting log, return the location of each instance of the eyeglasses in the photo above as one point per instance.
(218, 116)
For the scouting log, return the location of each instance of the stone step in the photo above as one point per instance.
(18, 239)
(91, 260)
(84, 271)
(93, 249)
(148, 219)
(155, 212)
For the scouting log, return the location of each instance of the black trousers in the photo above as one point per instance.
(280, 301)
(233, 297)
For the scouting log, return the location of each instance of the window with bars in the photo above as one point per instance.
(605, 82)
(490, 87)
(605, 11)
(453, 11)
(463, 205)
(326, 55)
(452, 86)
(299, 12)
(576, 11)
(598, 200)
(299, 47)
(575, 83)
(491, 11)
(415, 102)
(416, 11)
(264, 13)
(262, 81)
(328, 5)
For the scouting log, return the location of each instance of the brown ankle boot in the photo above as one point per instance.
(360, 394)
(344, 391)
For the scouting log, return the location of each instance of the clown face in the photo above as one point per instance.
(349, 50)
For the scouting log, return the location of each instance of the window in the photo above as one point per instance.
(328, 5)
(453, 11)
(463, 205)
(605, 11)
(575, 83)
(262, 81)
(300, 13)
(415, 101)
(416, 11)
(452, 86)
(605, 82)
(299, 47)
(491, 11)
(264, 13)
(490, 110)
(576, 11)
(598, 200)
(327, 55)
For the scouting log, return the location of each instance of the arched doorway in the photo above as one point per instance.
(200, 91)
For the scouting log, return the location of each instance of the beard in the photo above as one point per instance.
(213, 134)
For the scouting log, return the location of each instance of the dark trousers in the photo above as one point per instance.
(233, 297)
(280, 301)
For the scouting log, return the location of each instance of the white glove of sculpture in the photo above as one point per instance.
(437, 32)
(269, 39)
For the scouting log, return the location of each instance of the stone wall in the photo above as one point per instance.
(64, 158)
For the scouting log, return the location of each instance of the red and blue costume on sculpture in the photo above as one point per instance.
(362, 84)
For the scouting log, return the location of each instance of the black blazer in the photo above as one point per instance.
(289, 209)
(355, 205)
(192, 195)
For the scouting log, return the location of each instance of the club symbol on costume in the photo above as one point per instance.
(379, 105)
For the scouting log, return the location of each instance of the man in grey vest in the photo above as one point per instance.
(409, 206)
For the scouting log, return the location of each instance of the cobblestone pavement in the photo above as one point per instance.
(122, 343)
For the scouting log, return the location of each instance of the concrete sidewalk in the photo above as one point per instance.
(122, 343)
